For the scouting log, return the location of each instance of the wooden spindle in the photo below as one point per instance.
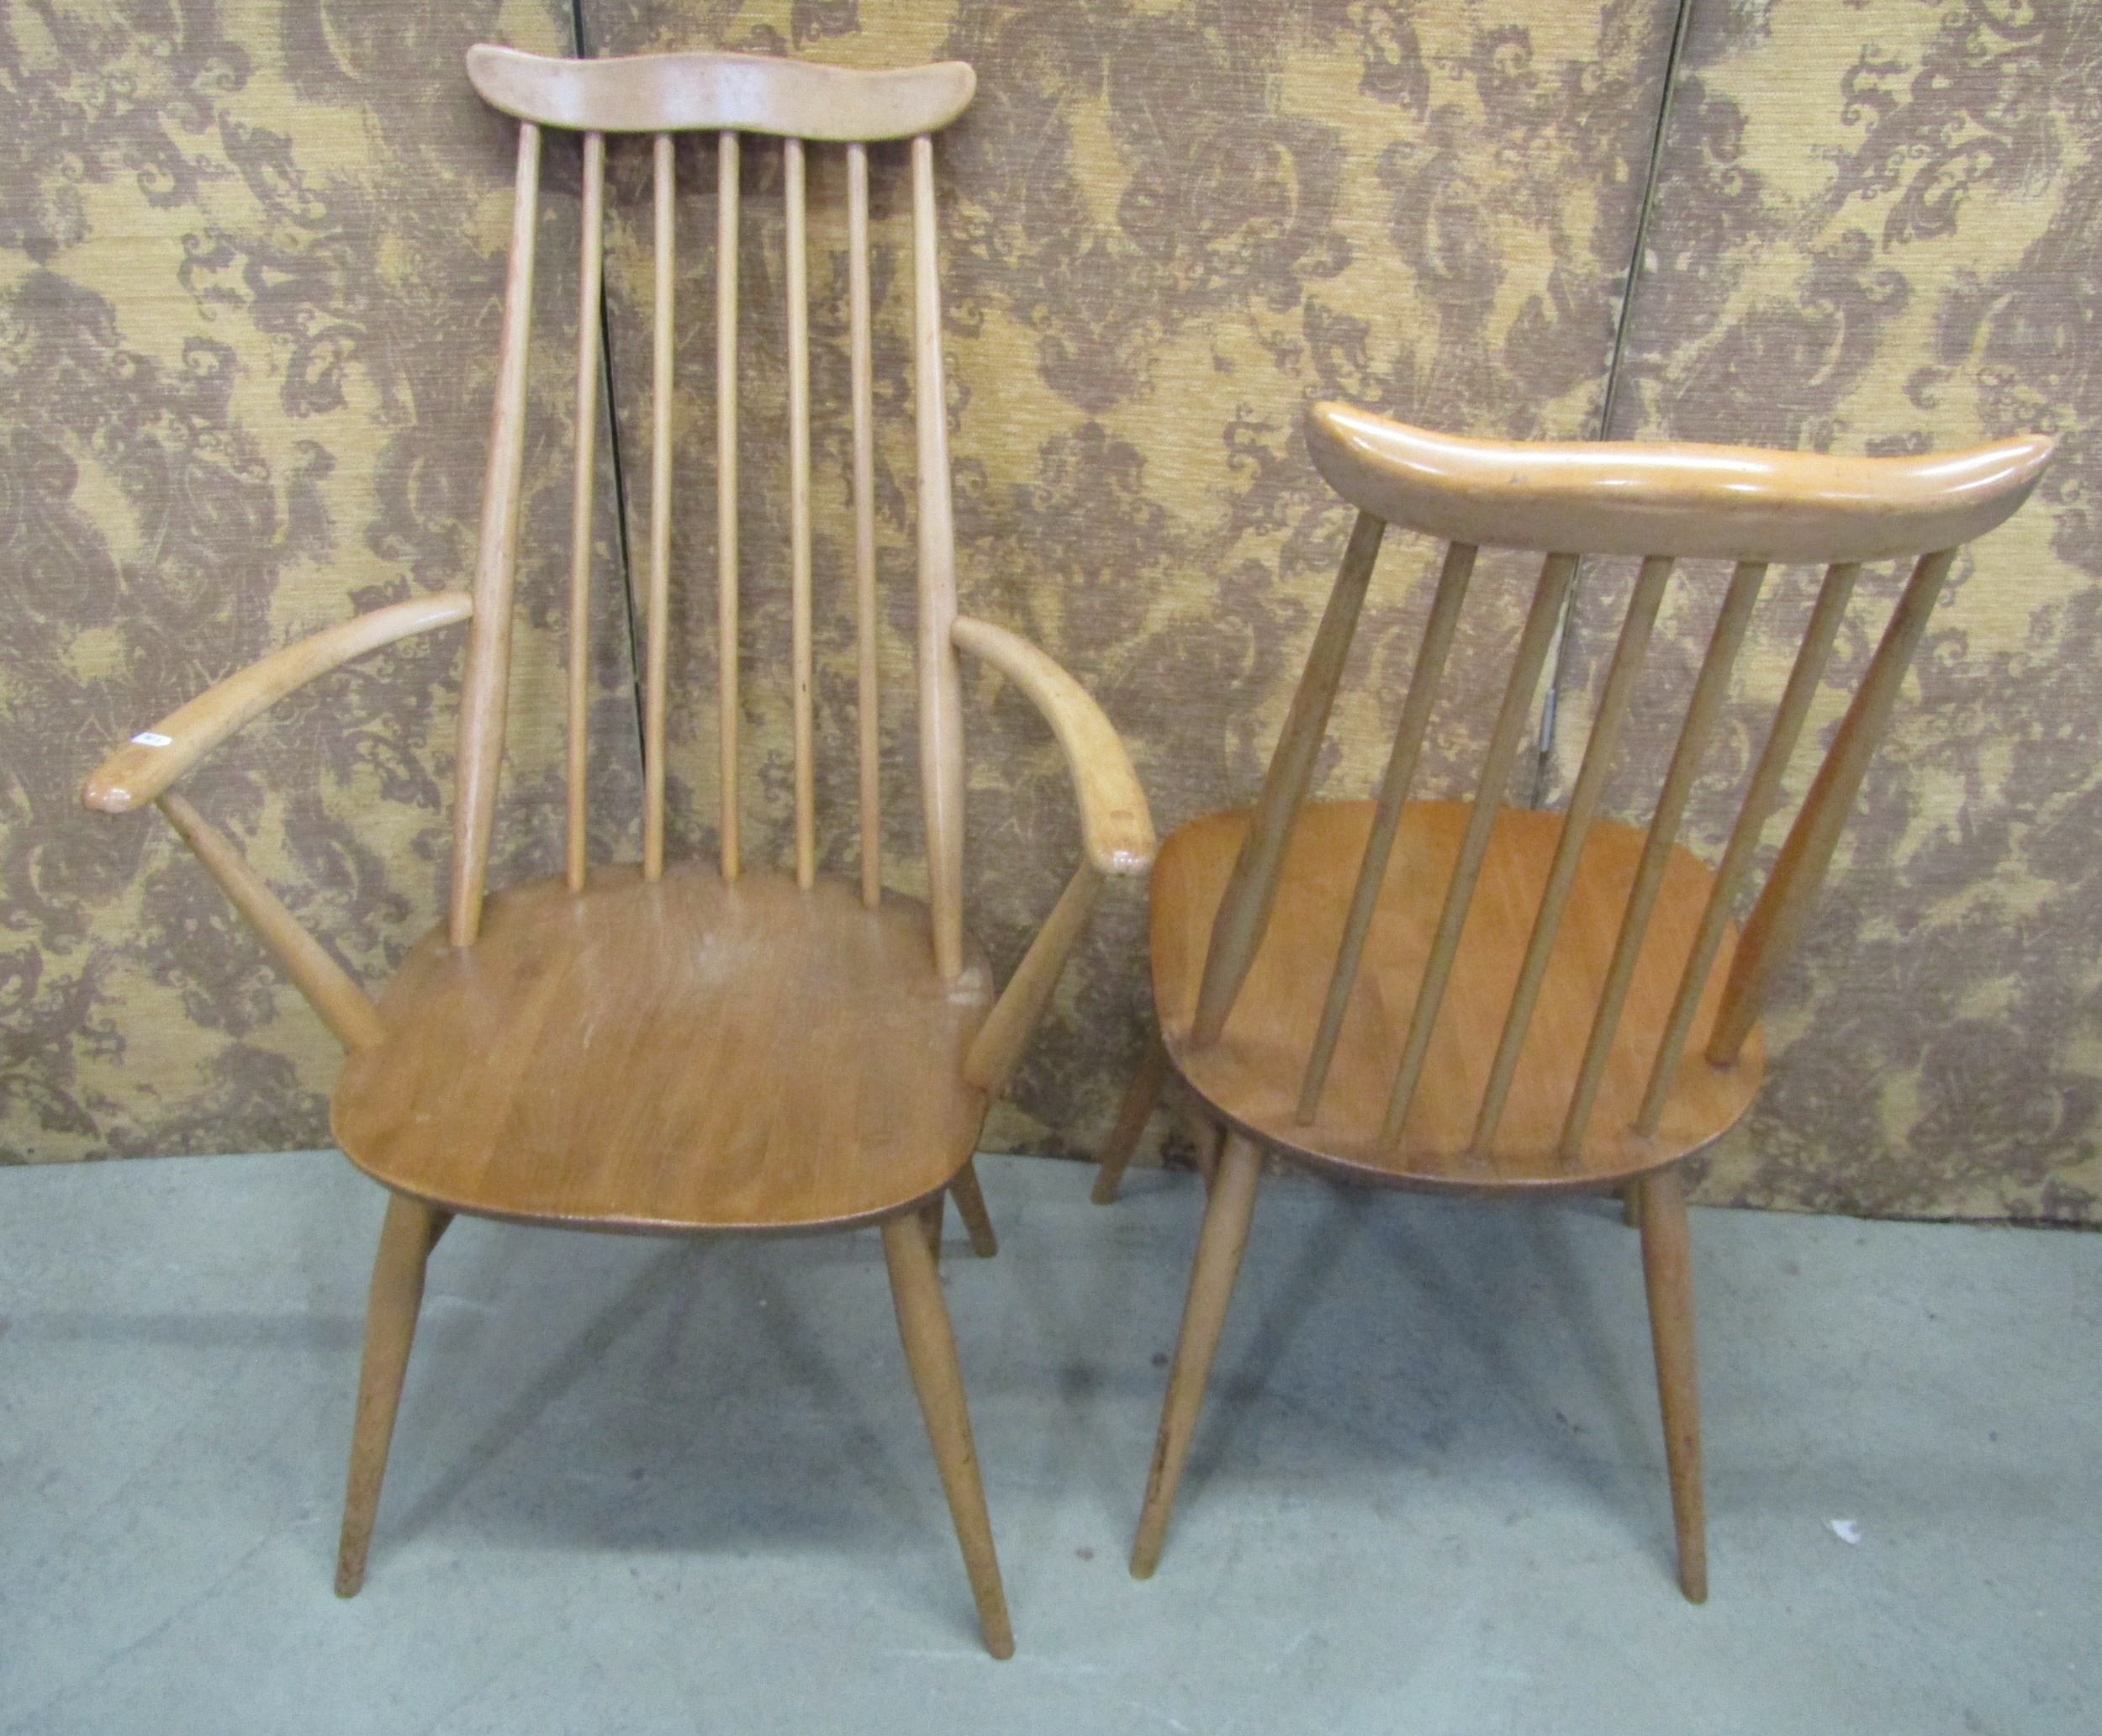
(1540, 621)
(658, 612)
(580, 525)
(1778, 920)
(941, 682)
(1251, 888)
(1394, 788)
(1710, 687)
(862, 353)
(486, 686)
(991, 1061)
(1760, 800)
(1613, 702)
(726, 164)
(345, 1007)
(799, 361)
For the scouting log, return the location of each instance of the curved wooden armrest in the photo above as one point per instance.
(143, 767)
(1115, 827)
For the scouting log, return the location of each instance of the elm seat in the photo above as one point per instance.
(1250, 1077)
(688, 1053)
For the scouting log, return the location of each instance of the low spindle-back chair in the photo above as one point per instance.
(678, 1047)
(1468, 997)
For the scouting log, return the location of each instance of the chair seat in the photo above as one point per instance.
(1251, 1077)
(685, 1055)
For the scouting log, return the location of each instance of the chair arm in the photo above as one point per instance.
(144, 767)
(1115, 827)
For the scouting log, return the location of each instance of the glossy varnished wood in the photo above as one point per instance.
(710, 91)
(1250, 1076)
(1628, 497)
(680, 1054)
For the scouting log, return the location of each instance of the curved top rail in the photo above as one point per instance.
(1634, 498)
(712, 92)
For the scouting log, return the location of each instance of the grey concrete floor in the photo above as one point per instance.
(652, 1486)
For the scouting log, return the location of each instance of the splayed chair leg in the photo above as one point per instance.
(930, 1351)
(1139, 1098)
(1668, 1274)
(412, 1228)
(1218, 1263)
(970, 1206)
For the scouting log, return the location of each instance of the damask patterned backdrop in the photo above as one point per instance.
(247, 320)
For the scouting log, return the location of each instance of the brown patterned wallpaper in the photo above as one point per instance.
(252, 262)
(1876, 228)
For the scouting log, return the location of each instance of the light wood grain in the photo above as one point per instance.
(679, 1054)
(795, 249)
(1250, 1076)
(657, 628)
(1776, 926)
(1117, 828)
(970, 1207)
(1613, 702)
(410, 1232)
(712, 91)
(1668, 1273)
(929, 1351)
(1539, 635)
(1627, 498)
(1140, 1096)
(862, 368)
(329, 989)
(581, 489)
(1710, 687)
(1005, 1035)
(1220, 1245)
(485, 691)
(726, 695)
(144, 767)
(1761, 798)
(1244, 912)
(940, 686)
(1438, 628)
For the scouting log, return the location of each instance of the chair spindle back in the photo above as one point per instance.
(1663, 502)
(802, 105)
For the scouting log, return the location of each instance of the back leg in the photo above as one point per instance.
(970, 1206)
(411, 1230)
(1139, 1098)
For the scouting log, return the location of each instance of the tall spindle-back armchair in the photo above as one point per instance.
(1466, 997)
(683, 1047)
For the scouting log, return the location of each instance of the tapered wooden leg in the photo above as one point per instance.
(930, 1216)
(970, 1206)
(1668, 1272)
(1218, 1263)
(405, 1241)
(1207, 1136)
(1631, 1206)
(930, 1351)
(1139, 1098)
